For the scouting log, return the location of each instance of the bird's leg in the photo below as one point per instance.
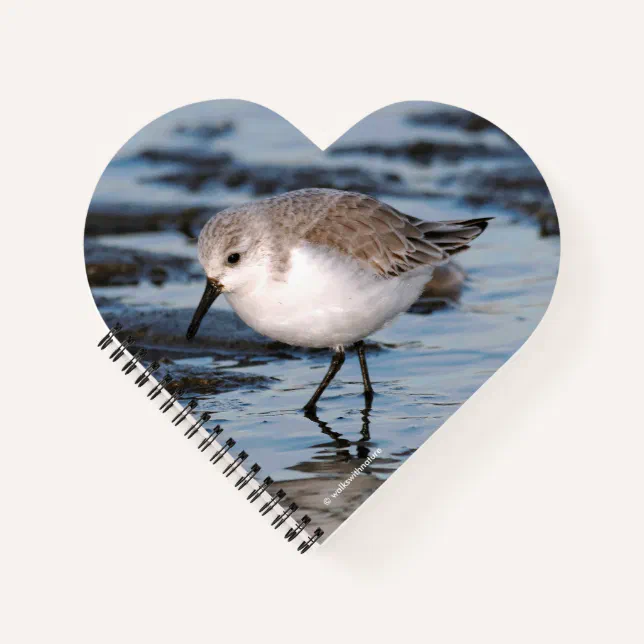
(336, 362)
(368, 389)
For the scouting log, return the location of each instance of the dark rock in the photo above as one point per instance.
(443, 290)
(519, 179)
(423, 152)
(266, 181)
(520, 189)
(209, 381)
(206, 132)
(112, 274)
(221, 330)
(115, 266)
(193, 181)
(548, 221)
(188, 156)
(452, 117)
(236, 178)
(117, 219)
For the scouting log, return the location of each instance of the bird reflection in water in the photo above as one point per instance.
(344, 445)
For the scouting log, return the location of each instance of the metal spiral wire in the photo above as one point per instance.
(210, 439)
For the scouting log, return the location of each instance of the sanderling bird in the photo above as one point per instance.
(323, 268)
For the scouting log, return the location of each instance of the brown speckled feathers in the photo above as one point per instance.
(388, 241)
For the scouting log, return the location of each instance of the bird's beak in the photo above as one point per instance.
(213, 289)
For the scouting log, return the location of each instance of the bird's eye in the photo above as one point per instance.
(233, 259)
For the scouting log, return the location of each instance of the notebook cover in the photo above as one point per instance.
(427, 160)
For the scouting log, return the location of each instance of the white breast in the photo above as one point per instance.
(326, 300)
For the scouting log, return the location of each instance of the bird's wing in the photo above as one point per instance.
(388, 241)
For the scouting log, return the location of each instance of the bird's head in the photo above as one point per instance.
(233, 253)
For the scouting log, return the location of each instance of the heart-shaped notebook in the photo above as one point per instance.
(366, 290)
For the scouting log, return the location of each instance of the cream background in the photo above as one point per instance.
(519, 521)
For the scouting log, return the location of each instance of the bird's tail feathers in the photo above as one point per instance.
(453, 236)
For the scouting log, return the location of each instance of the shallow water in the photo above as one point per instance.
(423, 367)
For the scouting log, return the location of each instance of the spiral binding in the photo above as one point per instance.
(134, 361)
